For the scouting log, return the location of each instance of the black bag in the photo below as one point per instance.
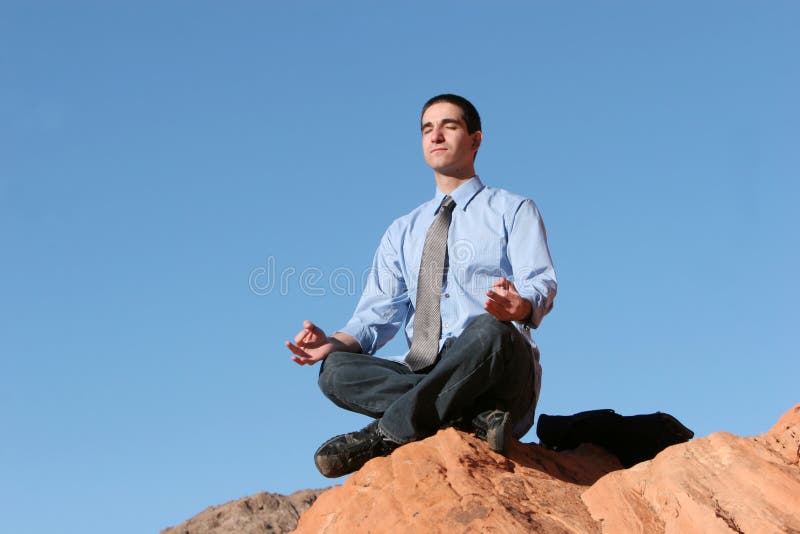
(633, 438)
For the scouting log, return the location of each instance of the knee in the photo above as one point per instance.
(329, 371)
(335, 369)
(494, 335)
(491, 325)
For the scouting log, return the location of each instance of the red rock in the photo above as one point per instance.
(452, 482)
(721, 483)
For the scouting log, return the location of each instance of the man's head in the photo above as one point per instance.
(451, 135)
(468, 112)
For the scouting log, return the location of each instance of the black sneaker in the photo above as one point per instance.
(495, 427)
(346, 453)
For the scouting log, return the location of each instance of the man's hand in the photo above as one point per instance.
(310, 345)
(505, 303)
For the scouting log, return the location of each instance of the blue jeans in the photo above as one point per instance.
(489, 366)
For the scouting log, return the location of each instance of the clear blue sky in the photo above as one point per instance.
(157, 157)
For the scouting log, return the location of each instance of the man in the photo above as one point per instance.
(445, 269)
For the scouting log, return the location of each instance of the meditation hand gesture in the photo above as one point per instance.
(311, 345)
(505, 303)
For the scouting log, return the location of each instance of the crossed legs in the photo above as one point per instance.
(489, 366)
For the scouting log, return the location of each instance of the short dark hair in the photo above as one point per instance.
(468, 111)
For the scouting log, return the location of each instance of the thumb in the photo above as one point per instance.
(312, 328)
(501, 283)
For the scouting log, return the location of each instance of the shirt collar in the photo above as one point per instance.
(463, 194)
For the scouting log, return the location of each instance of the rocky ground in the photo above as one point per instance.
(452, 482)
(256, 514)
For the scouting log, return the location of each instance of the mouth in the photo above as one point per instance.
(438, 149)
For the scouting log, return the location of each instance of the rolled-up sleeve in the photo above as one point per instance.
(534, 275)
(384, 302)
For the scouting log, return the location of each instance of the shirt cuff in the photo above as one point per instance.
(362, 334)
(537, 310)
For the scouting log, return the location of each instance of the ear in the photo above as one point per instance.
(477, 137)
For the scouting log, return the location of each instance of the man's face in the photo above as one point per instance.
(448, 148)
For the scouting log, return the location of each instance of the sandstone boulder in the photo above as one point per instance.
(452, 482)
(722, 483)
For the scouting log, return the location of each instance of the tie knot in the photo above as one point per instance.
(448, 203)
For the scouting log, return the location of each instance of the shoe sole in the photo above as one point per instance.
(330, 467)
(499, 436)
(337, 463)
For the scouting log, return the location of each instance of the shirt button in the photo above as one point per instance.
(446, 325)
(447, 295)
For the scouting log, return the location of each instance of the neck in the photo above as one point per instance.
(448, 184)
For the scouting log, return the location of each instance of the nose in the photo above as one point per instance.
(437, 135)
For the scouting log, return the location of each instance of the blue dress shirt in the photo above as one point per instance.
(493, 233)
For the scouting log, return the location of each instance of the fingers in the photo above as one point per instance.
(497, 297)
(297, 351)
(308, 333)
(314, 329)
(300, 356)
(497, 304)
(504, 302)
(300, 360)
(307, 348)
(300, 337)
(505, 285)
(501, 283)
(497, 311)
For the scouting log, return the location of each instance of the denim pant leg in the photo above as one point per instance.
(364, 384)
(490, 365)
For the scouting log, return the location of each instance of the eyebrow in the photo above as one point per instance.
(443, 121)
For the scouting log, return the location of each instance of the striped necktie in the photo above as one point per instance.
(427, 314)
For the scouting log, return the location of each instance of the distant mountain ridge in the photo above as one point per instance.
(256, 514)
